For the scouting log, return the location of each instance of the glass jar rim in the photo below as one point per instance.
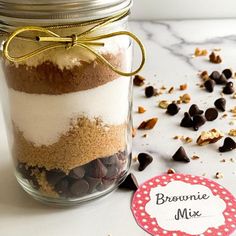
(18, 12)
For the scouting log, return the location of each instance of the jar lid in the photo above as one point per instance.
(60, 10)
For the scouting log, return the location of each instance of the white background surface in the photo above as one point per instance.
(169, 48)
(187, 9)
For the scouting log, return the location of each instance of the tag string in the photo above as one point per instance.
(83, 40)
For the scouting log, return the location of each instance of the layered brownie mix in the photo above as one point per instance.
(70, 116)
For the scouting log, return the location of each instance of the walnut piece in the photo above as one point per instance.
(141, 110)
(208, 137)
(163, 104)
(148, 124)
(185, 98)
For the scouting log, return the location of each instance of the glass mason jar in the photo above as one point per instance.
(67, 104)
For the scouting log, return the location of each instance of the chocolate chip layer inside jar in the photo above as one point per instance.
(70, 118)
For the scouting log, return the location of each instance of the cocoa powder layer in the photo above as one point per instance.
(48, 78)
(86, 141)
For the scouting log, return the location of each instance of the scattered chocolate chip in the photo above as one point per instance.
(186, 121)
(149, 91)
(215, 75)
(144, 160)
(229, 145)
(220, 104)
(130, 183)
(172, 109)
(228, 73)
(198, 121)
(54, 176)
(229, 88)
(194, 110)
(77, 173)
(222, 80)
(209, 85)
(79, 188)
(181, 155)
(138, 80)
(211, 114)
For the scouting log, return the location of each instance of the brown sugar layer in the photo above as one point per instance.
(86, 141)
(48, 78)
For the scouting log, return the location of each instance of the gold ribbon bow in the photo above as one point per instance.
(82, 40)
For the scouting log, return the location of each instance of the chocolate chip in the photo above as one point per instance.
(228, 73)
(186, 121)
(215, 75)
(172, 109)
(79, 188)
(77, 173)
(194, 110)
(229, 145)
(138, 80)
(105, 184)
(93, 183)
(211, 114)
(220, 104)
(130, 183)
(24, 170)
(181, 155)
(112, 172)
(198, 121)
(209, 85)
(96, 169)
(222, 80)
(149, 91)
(229, 88)
(54, 176)
(144, 160)
(112, 160)
(62, 187)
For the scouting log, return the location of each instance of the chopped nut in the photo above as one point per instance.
(195, 157)
(145, 136)
(179, 101)
(185, 98)
(234, 96)
(135, 159)
(224, 115)
(233, 110)
(134, 131)
(215, 58)
(177, 137)
(188, 140)
(208, 137)
(219, 175)
(139, 80)
(232, 160)
(163, 104)
(149, 124)
(223, 160)
(232, 132)
(141, 110)
(198, 52)
(170, 171)
(163, 87)
(183, 87)
(204, 75)
(171, 90)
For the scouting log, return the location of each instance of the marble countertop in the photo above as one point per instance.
(169, 48)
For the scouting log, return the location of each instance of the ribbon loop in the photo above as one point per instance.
(82, 40)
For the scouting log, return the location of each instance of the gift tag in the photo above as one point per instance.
(180, 205)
